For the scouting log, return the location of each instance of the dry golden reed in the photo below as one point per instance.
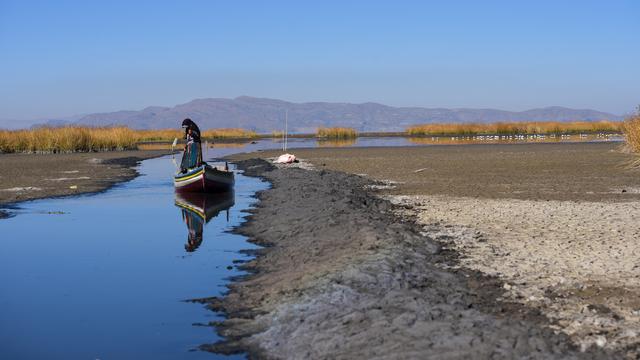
(517, 128)
(83, 139)
(336, 133)
(336, 142)
(631, 129)
(67, 139)
(232, 133)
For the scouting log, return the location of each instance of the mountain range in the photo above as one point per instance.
(266, 115)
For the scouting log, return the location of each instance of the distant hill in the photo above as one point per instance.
(266, 115)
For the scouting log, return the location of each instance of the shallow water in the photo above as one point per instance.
(103, 276)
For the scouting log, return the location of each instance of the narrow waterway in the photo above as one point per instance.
(104, 276)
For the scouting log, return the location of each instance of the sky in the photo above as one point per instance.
(63, 58)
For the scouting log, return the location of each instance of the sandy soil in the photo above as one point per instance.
(30, 176)
(544, 229)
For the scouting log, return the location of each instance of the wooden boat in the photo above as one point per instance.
(204, 179)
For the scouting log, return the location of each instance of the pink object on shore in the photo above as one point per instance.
(286, 159)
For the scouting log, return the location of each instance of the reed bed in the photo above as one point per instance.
(336, 133)
(159, 134)
(170, 134)
(631, 129)
(517, 128)
(67, 139)
(86, 139)
(336, 142)
(230, 133)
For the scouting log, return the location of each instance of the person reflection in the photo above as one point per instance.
(197, 210)
(195, 226)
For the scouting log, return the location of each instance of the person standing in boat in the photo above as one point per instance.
(192, 156)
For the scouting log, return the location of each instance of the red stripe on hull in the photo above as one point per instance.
(212, 181)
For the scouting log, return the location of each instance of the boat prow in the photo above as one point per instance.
(204, 179)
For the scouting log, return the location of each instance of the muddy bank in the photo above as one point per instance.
(342, 277)
(35, 176)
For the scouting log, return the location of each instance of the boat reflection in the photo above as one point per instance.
(198, 209)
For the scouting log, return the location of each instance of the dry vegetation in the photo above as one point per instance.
(631, 129)
(517, 128)
(336, 133)
(67, 139)
(79, 139)
(336, 142)
(170, 134)
(229, 134)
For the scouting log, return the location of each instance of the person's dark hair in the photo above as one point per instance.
(188, 124)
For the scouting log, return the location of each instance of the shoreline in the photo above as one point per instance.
(26, 177)
(341, 276)
(554, 226)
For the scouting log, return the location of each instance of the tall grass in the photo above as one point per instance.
(336, 142)
(83, 139)
(67, 139)
(159, 134)
(170, 134)
(336, 133)
(517, 128)
(232, 133)
(631, 129)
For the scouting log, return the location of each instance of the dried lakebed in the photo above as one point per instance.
(341, 276)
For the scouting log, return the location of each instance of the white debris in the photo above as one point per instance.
(285, 159)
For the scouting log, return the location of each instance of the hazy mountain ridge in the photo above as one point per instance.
(266, 115)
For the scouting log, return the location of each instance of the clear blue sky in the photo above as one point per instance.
(61, 58)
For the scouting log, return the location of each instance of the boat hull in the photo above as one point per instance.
(205, 206)
(204, 179)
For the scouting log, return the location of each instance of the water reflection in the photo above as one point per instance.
(198, 209)
(336, 142)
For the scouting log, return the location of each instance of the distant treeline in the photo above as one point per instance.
(517, 128)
